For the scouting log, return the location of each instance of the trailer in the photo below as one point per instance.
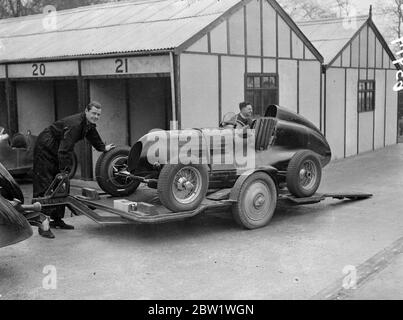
(102, 208)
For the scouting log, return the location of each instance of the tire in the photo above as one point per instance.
(174, 195)
(9, 189)
(14, 227)
(256, 201)
(304, 174)
(107, 180)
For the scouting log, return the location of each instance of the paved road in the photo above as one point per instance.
(300, 255)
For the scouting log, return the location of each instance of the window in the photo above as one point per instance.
(261, 90)
(366, 95)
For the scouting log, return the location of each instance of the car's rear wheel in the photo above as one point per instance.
(256, 201)
(107, 170)
(9, 189)
(182, 187)
(304, 174)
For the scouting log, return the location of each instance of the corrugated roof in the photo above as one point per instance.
(329, 36)
(123, 27)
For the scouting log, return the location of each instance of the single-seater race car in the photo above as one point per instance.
(17, 153)
(280, 150)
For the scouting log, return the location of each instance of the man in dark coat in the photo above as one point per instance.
(53, 154)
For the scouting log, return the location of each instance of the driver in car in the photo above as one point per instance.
(53, 150)
(244, 118)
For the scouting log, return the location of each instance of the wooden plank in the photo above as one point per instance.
(126, 66)
(43, 69)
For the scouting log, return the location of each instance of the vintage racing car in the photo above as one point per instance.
(289, 152)
(14, 227)
(16, 153)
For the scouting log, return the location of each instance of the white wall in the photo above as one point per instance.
(288, 84)
(391, 109)
(351, 112)
(379, 109)
(309, 95)
(199, 90)
(335, 111)
(232, 83)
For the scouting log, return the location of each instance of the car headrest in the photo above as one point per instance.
(19, 141)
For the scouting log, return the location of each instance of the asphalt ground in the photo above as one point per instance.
(301, 254)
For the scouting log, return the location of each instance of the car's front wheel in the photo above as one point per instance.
(182, 187)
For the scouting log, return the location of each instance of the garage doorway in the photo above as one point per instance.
(40, 103)
(150, 105)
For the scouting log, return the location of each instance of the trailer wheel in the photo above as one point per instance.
(108, 165)
(256, 201)
(9, 189)
(183, 187)
(304, 174)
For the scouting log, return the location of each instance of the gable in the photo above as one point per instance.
(364, 50)
(255, 28)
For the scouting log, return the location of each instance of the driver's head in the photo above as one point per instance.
(246, 109)
(93, 112)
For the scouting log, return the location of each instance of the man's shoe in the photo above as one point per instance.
(46, 234)
(60, 224)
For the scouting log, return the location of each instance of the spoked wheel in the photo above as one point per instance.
(256, 201)
(182, 187)
(304, 174)
(108, 169)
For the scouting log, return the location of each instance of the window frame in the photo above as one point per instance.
(366, 94)
(261, 89)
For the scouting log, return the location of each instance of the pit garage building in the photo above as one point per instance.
(358, 75)
(155, 61)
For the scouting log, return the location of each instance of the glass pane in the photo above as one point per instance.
(361, 102)
(257, 82)
(266, 83)
(361, 86)
(273, 82)
(249, 82)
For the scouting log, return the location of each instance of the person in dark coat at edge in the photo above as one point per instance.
(53, 154)
(244, 118)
